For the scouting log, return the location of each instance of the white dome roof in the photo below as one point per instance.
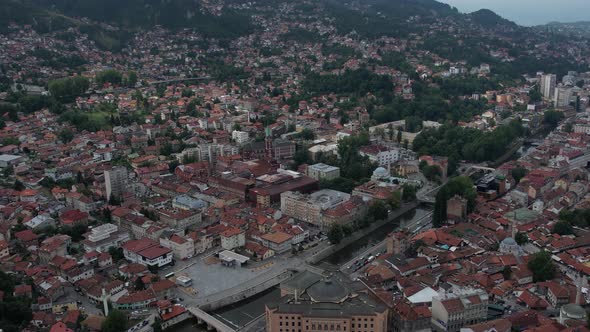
(381, 172)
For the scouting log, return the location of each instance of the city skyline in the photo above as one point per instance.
(528, 12)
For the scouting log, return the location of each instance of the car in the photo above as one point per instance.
(79, 302)
(180, 299)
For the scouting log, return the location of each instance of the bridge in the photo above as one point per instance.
(180, 79)
(212, 322)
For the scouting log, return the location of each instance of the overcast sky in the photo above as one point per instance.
(530, 12)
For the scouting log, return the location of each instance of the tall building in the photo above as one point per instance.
(563, 96)
(548, 82)
(312, 303)
(115, 181)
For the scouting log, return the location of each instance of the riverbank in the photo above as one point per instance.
(321, 255)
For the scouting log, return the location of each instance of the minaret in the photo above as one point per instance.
(580, 282)
(105, 303)
(514, 229)
(268, 144)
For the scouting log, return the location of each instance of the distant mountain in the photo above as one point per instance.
(581, 29)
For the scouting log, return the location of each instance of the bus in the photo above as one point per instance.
(169, 275)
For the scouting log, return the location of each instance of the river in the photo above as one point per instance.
(345, 255)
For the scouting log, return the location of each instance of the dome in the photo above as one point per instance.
(381, 172)
(327, 291)
(573, 311)
(509, 242)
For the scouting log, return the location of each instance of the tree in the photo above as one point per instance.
(109, 76)
(409, 192)
(307, 134)
(116, 321)
(551, 118)
(563, 228)
(542, 266)
(65, 135)
(66, 89)
(18, 185)
(131, 78)
(507, 272)
(518, 173)
(378, 210)
(395, 200)
(521, 238)
(139, 284)
(116, 253)
(335, 234)
(412, 250)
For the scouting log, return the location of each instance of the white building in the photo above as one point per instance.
(182, 247)
(147, 252)
(240, 137)
(386, 156)
(462, 307)
(103, 237)
(233, 238)
(563, 96)
(548, 83)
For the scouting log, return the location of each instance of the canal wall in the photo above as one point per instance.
(361, 233)
(245, 293)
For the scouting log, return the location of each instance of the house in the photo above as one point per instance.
(60, 327)
(182, 247)
(136, 300)
(258, 251)
(54, 246)
(147, 252)
(4, 252)
(233, 238)
(74, 217)
(279, 242)
(40, 222)
(163, 288)
(171, 314)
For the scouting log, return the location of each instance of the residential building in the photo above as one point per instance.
(278, 242)
(233, 238)
(452, 311)
(102, 238)
(147, 252)
(548, 82)
(563, 96)
(171, 314)
(240, 137)
(182, 247)
(385, 156)
(115, 181)
(136, 300)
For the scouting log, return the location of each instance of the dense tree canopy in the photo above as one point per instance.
(66, 89)
(542, 266)
(460, 143)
